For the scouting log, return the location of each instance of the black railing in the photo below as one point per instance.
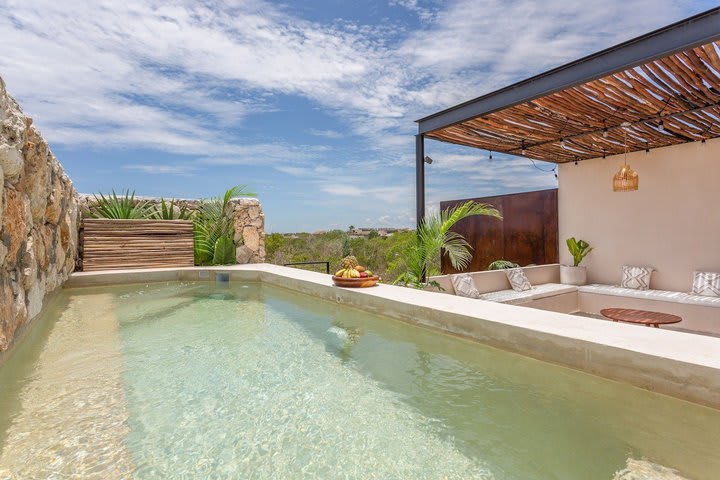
(327, 265)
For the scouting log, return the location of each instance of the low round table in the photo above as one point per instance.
(643, 317)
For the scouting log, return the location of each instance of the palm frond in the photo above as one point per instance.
(213, 221)
(435, 238)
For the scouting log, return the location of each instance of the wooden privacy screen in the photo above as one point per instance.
(118, 244)
(527, 235)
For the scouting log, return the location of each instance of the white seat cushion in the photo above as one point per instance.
(508, 296)
(660, 295)
(551, 289)
(537, 292)
(701, 300)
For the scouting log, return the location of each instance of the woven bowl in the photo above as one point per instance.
(356, 282)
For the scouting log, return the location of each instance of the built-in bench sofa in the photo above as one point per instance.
(699, 313)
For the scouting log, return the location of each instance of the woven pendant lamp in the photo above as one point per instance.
(626, 179)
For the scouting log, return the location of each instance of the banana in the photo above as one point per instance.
(354, 273)
(339, 273)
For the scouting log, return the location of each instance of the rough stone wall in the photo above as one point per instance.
(248, 218)
(38, 220)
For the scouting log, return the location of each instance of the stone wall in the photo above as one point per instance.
(248, 218)
(38, 220)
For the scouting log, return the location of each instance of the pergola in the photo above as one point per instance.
(656, 90)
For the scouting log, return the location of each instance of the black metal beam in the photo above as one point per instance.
(420, 186)
(683, 35)
(419, 178)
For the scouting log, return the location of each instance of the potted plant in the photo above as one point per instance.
(575, 274)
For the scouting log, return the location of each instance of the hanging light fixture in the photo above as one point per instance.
(626, 179)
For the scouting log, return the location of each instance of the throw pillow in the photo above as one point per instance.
(706, 284)
(518, 280)
(464, 286)
(637, 278)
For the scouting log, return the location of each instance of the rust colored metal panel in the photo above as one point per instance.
(527, 235)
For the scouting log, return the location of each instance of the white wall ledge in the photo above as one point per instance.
(679, 364)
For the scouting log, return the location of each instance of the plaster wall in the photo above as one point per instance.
(671, 223)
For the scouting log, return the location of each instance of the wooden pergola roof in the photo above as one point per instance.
(660, 89)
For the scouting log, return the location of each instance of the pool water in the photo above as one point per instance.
(194, 380)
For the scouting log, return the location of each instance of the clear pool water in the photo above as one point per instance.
(192, 380)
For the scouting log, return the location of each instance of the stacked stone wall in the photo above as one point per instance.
(38, 220)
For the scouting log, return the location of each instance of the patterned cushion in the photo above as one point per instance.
(637, 278)
(535, 293)
(464, 286)
(706, 284)
(511, 297)
(659, 295)
(703, 300)
(518, 280)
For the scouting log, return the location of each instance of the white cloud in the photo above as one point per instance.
(187, 78)
(425, 14)
(325, 133)
(159, 169)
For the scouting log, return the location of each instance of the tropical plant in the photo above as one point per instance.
(435, 238)
(213, 227)
(502, 265)
(167, 211)
(119, 207)
(578, 249)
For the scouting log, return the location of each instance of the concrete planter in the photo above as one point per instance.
(570, 275)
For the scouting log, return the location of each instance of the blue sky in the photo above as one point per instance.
(311, 104)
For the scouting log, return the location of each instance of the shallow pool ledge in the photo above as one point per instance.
(682, 365)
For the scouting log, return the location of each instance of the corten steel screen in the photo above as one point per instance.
(528, 233)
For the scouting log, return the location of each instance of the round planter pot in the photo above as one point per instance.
(570, 275)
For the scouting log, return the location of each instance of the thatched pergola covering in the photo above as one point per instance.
(660, 89)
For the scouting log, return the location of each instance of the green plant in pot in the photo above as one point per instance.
(575, 274)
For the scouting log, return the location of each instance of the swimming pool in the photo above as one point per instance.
(195, 380)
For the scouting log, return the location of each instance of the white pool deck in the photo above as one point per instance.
(678, 364)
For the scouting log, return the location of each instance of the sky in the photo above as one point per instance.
(311, 104)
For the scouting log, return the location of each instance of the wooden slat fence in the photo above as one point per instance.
(127, 244)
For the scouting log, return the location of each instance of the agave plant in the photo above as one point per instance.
(119, 207)
(435, 238)
(214, 244)
(167, 211)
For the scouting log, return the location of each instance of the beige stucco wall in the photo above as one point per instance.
(671, 223)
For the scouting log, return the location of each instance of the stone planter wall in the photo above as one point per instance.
(247, 215)
(38, 220)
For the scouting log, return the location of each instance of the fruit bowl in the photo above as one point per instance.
(355, 282)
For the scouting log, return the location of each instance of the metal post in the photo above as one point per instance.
(420, 182)
(420, 178)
